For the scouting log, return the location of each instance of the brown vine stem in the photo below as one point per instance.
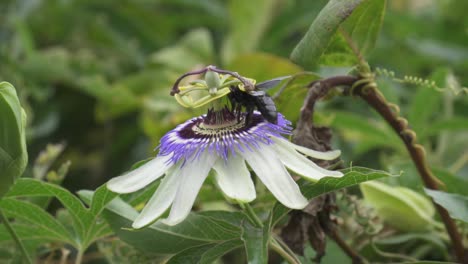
(315, 92)
(355, 257)
(376, 100)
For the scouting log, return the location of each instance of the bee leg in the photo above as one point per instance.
(248, 116)
(238, 111)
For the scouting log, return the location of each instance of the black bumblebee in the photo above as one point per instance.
(256, 99)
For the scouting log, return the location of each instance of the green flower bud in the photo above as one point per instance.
(13, 153)
(400, 207)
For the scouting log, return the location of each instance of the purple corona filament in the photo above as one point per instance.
(221, 133)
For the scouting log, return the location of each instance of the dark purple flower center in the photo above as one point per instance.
(220, 132)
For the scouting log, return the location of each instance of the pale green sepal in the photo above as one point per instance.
(400, 207)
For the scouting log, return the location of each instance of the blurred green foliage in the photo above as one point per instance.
(95, 77)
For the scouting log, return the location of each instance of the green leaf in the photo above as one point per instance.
(249, 20)
(361, 28)
(364, 24)
(97, 228)
(205, 254)
(29, 233)
(338, 53)
(212, 228)
(85, 222)
(309, 50)
(255, 242)
(400, 207)
(352, 176)
(36, 218)
(456, 205)
(31, 188)
(13, 152)
(102, 196)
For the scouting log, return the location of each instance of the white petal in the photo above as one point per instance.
(233, 178)
(161, 199)
(302, 165)
(140, 177)
(192, 176)
(274, 175)
(326, 155)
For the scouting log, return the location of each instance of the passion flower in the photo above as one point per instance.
(223, 141)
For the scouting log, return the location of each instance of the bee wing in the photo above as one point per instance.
(270, 83)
